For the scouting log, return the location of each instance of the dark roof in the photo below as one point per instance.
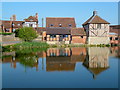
(64, 21)
(78, 31)
(95, 19)
(58, 30)
(31, 19)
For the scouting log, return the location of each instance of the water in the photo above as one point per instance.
(78, 67)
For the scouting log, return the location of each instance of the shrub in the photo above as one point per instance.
(26, 34)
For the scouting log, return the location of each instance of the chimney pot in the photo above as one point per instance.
(14, 17)
(94, 13)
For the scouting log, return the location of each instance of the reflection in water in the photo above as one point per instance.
(95, 59)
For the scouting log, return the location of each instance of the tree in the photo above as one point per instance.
(26, 34)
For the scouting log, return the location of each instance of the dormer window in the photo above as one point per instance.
(51, 25)
(70, 25)
(60, 25)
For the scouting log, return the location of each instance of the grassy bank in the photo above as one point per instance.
(79, 45)
(43, 45)
(25, 46)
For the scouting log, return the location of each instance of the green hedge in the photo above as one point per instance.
(1, 33)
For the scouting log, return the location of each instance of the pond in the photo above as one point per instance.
(78, 67)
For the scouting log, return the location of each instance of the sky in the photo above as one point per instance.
(81, 11)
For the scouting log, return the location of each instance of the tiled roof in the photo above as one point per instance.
(31, 19)
(17, 24)
(95, 20)
(7, 24)
(115, 29)
(58, 30)
(78, 31)
(40, 29)
(63, 21)
(97, 71)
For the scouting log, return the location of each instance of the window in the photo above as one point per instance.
(31, 25)
(81, 36)
(98, 26)
(70, 25)
(66, 35)
(45, 38)
(60, 25)
(116, 38)
(51, 25)
(6, 30)
(52, 36)
(110, 38)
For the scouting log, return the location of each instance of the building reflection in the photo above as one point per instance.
(95, 59)
(63, 59)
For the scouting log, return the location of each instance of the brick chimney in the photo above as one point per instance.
(36, 15)
(14, 17)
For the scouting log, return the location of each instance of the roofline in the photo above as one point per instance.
(10, 20)
(59, 17)
(96, 23)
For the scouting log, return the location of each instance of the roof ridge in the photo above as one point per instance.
(59, 17)
(92, 18)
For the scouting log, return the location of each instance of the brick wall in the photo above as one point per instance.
(78, 39)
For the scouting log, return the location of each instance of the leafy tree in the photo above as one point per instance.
(26, 34)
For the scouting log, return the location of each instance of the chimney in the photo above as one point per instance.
(36, 15)
(42, 22)
(94, 13)
(14, 17)
(11, 19)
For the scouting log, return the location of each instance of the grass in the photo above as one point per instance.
(26, 46)
(34, 46)
(2, 33)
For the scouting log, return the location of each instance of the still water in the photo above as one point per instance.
(78, 67)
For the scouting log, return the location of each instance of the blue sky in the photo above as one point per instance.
(81, 11)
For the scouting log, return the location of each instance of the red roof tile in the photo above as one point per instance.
(58, 30)
(31, 19)
(95, 20)
(17, 24)
(78, 31)
(63, 21)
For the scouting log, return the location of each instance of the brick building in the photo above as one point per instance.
(115, 34)
(63, 29)
(11, 25)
